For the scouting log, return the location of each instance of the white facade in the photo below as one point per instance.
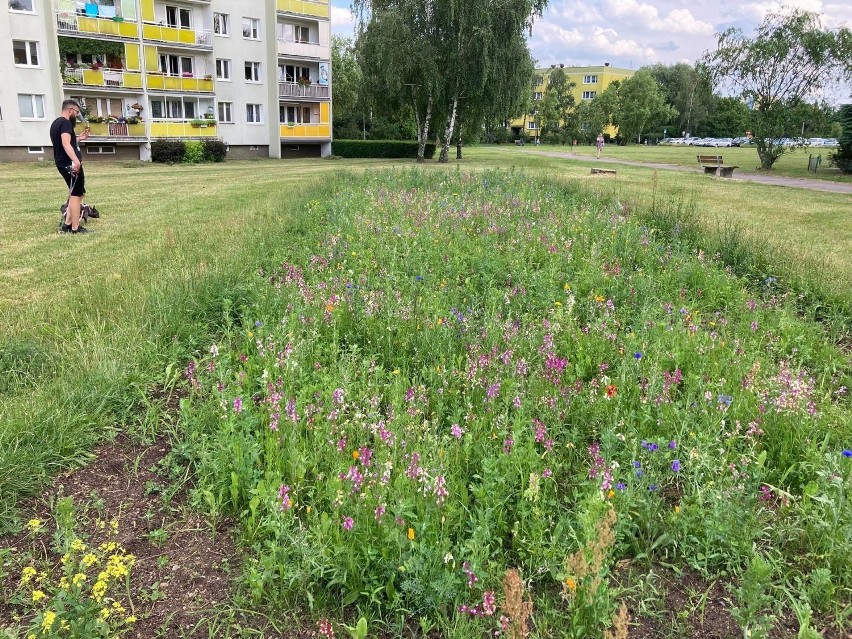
(254, 74)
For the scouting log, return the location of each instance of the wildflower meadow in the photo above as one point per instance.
(466, 404)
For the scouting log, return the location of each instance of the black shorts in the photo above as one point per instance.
(76, 182)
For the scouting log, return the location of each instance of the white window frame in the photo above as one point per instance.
(224, 25)
(30, 49)
(590, 95)
(35, 150)
(102, 149)
(178, 11)
(223, 65)
(229, 108)
(301, 114)
(532, 125)
(256, 112)
(300, 27)
(32, 10)
(253, 28)
(33, 102)
(256, 77)
(538, 95)
(590, 79)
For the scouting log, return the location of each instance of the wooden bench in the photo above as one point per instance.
(714, 165)
(603, 171)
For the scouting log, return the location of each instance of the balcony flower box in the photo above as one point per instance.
(202, 124)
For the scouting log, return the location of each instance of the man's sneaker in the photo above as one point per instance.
(81, 229)
(64, 228)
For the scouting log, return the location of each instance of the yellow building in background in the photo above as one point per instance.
(588, 83)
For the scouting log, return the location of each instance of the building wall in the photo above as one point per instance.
(291, 151)
(247, 152)
(142, 79)
(603, 75)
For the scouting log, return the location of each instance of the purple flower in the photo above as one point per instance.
(456, 431)
(637, 464)
(676, 465)
(847, 453)
(621, 486)
(672, 444)
(348, 523)
(652, 487)
(238, 404)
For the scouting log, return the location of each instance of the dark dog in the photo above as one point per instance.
(86, 212)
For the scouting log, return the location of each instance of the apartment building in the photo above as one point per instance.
(255, 74)
(588, 83)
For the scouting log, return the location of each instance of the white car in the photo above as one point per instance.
(830, 142)
(816, 142)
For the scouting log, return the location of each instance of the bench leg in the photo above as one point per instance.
(726, 173)
(710, 170)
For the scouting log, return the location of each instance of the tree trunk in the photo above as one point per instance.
(448, 133)
(458, 139)
(423, 133)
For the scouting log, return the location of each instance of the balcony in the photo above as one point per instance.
(182, 129)
(306, 132)
(300, 49)
(117, 79)
(70, 23)
(113, 131)
(295, 91)
(195, 38)
(317, 9)
(162, 82)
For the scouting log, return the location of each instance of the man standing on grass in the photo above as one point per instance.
(68, 160)
(599, 142)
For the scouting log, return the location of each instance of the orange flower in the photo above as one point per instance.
(355, 455)
(611, 390)
(610, 494)
(411, 534)
(329, 307)
(572, 585)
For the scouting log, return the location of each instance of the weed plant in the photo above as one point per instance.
(447, 384)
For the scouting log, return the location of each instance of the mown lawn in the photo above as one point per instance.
(406, 384)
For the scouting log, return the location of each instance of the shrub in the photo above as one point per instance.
(842, 159)
(168, 151)
(388, 149)
(215, 151)
(193, 151)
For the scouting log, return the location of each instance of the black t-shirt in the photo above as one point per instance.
(63, 125)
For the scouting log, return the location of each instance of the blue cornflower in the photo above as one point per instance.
(637, 464)
(847, 453)
(637, 355)
(620, 486)
(639, 472)
(258, 324)
(725, 399)
(652, 447)
(652, 487)
(419, 278)
(676, 465)
(672, 444)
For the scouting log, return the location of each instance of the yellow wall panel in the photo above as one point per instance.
(131, 57)
(151, 60)
(148, 10)
(324, 109)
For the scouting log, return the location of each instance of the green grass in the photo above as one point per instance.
(791, 164)
(92, 325)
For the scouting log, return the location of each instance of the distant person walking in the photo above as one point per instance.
(68, 158)
(599, 142)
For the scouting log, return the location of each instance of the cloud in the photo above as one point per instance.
(342, 20)
(643, 15)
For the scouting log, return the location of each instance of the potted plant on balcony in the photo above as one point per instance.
(303, 81)
(133, 119)
(208, 77)
(97, 119)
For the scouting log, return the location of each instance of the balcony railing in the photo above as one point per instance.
(200, 38)
(68, 22)
(306, 131)
(162, 82)
(304, 7)
(302, 49)
(295, 90)
(112, 130)
(103, 78)
(182, 129)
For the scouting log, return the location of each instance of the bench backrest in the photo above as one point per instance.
(710, 159)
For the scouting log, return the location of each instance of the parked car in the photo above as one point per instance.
(723, 142)
(741, 141)
(816, 142)
(830, 142)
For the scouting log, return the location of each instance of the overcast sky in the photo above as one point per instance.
(634, 33)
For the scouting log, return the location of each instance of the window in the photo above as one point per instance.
(589, 95)
(25, 53)
(291, 73)
(100, 150)
(226, 112)
(252, 71)
(177, 108)
(532, 125)
(223, 69)
(31, 106)
(251, 29)
(38, 150)
(537, 95)
(21, 5)
(222, 24)
(254, 147)
(176, 65)
(178, 17)
(590, 79)
(253, 114)
(302, 34)
(291, 114)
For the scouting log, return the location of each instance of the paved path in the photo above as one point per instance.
(799, 183)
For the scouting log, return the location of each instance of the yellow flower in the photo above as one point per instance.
(38, 595)
(610, 494)
(113, 526)
(34, 524)
(89, 560)
(396, 371)
(599, 298)
(572, 585)
(63, 583)
(47, 623)
(78, 579)
(27, 574)
(99, 589)
(567, 286)
(677, 509)
(355, 455)
(78, 546)
(105, 613)
(131, 619)
(31, 636)
(308, 510)
(411, 534)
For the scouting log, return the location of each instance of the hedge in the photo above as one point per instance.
(386, 149)
(175, 151)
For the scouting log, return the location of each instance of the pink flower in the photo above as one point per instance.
(238, 404)
(456, 431)
(348, 523)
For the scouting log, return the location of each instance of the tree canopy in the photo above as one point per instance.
(791, 60)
